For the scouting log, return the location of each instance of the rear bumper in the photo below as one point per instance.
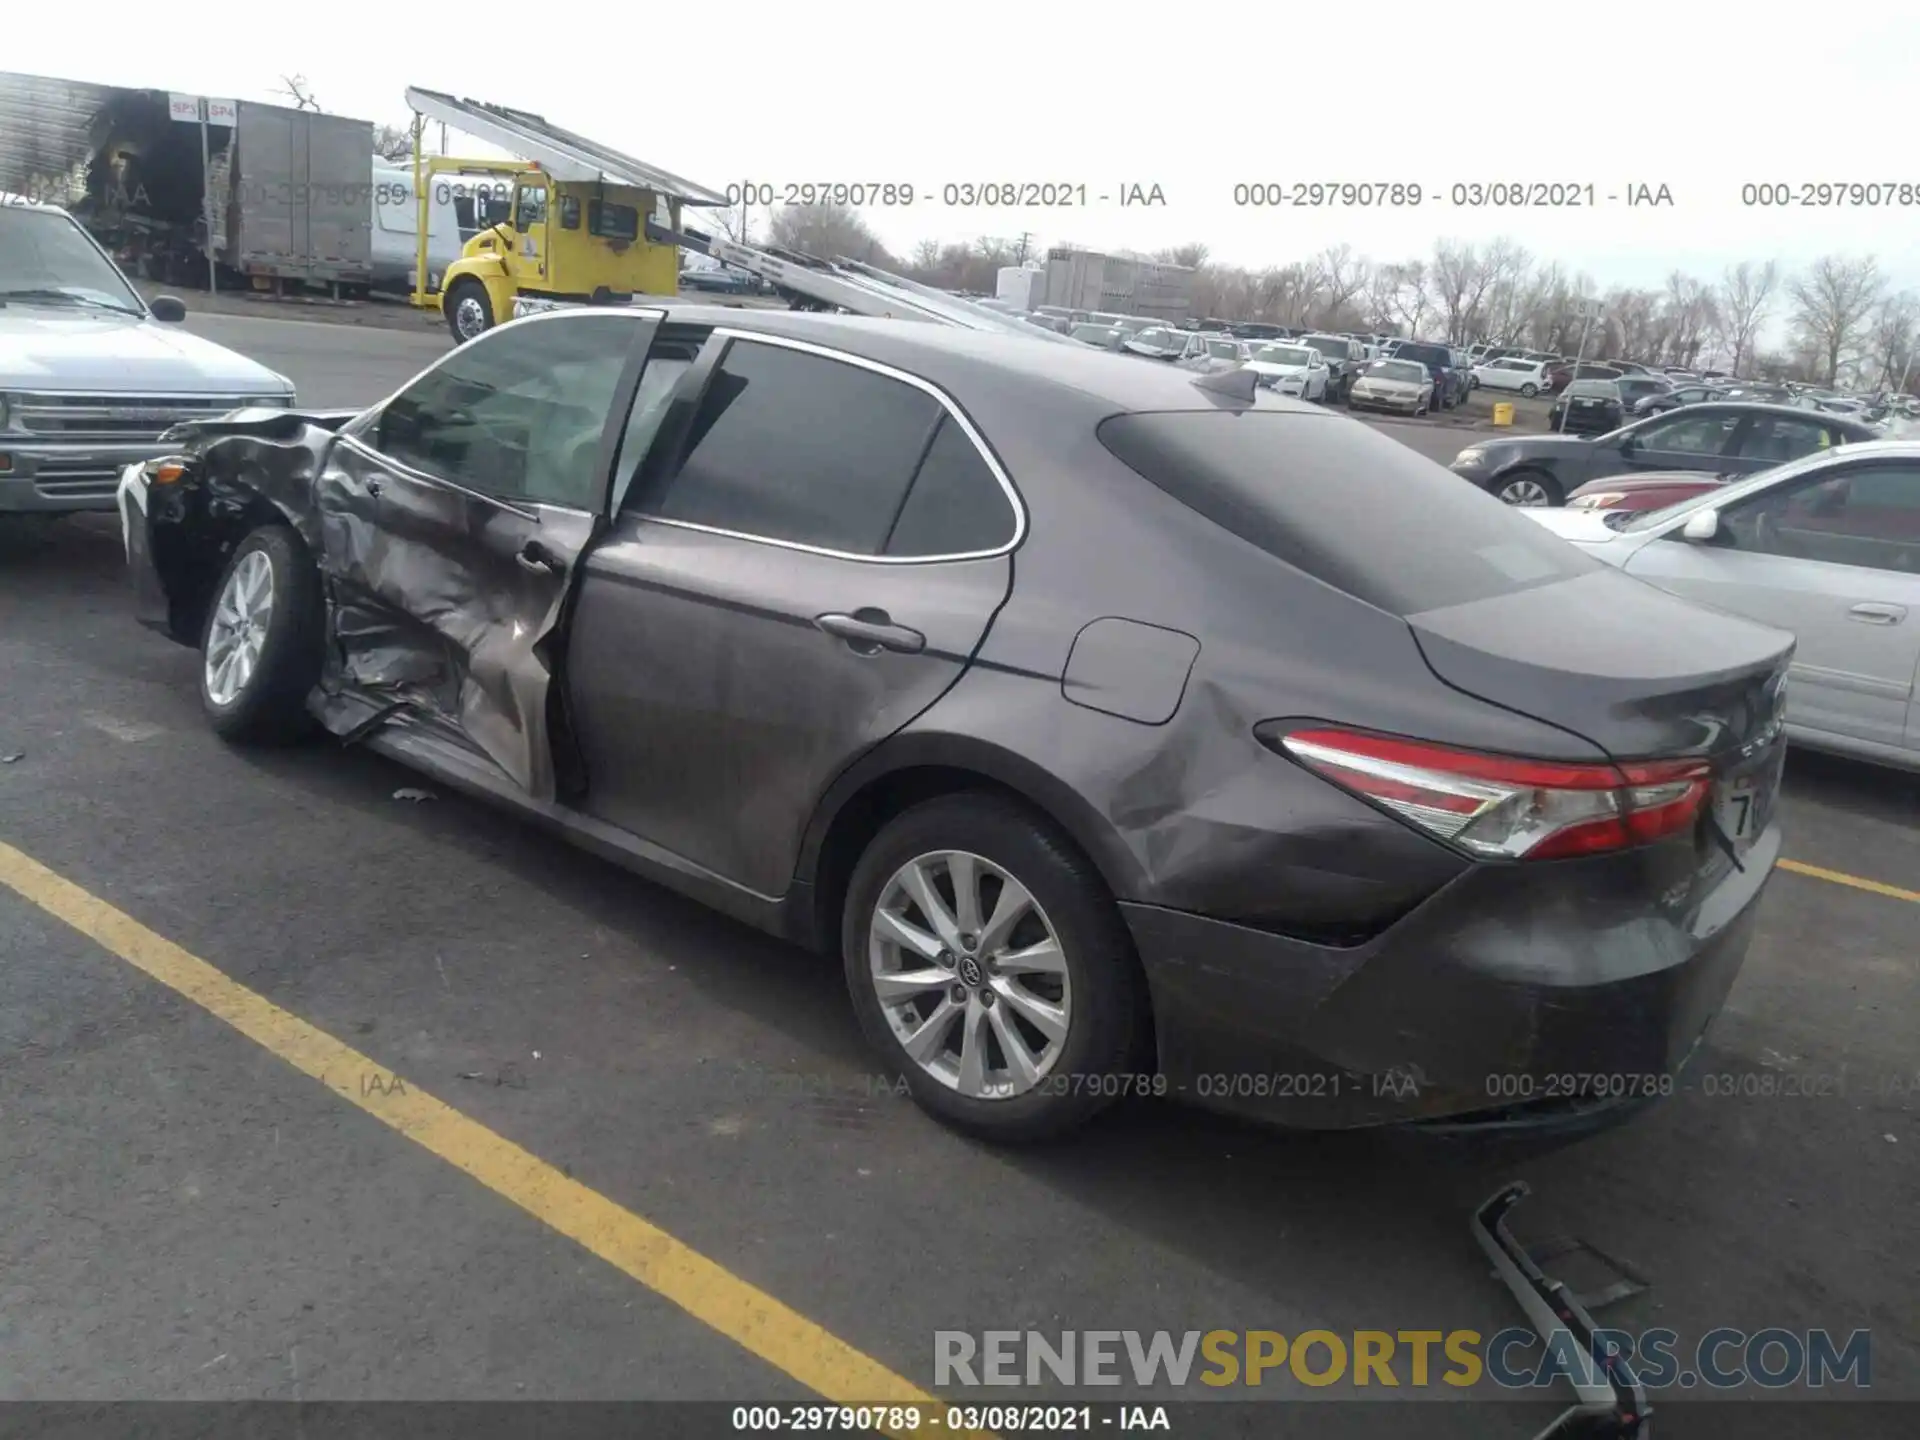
(66, 479)
(1556, 997)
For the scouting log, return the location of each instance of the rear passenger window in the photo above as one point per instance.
(797, 447)
(956, 505)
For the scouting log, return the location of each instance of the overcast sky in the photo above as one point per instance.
(1701, 97)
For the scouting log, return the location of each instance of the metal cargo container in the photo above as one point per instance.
(1088, 280)
(300, 201)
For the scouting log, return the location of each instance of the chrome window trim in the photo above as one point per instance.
(927, 387)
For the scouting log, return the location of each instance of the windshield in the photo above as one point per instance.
(45, 255)
(1165, 339)
(1328, 346)
(1223, 349)
(1094, 334)
(1284, 355)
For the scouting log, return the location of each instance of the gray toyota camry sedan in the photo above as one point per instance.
(1122, 729)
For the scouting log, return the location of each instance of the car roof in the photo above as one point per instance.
(950, 356)
(11, 201)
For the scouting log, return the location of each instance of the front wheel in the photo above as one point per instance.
(261, 646)
(989, 965)
(1529, 489)
(469, 310)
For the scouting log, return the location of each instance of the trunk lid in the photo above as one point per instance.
(1638, 672)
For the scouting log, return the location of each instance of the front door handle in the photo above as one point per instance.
(536, 557)
(1875, 613)
(870, 631)
(373, 488)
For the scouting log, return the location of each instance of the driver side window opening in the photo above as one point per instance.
(1689, 434)
(517, 413)
(1866, 516)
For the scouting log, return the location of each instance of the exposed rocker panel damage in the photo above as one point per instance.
(426, 633)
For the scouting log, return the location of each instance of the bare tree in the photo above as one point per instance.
(1461, 276)
(1746, 296)
(1692, 313)
(1340, 276)
(829, 231)
(395, 142)
(1895, 323)
(1192, 255)
(925, 260)
(296, 89)
(1831, 305)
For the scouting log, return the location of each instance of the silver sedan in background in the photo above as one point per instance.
(1402, 385)
(1827, 547)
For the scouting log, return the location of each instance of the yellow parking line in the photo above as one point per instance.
(1855, 882)
(709, 1292)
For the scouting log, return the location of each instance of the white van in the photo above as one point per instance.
(396, 226)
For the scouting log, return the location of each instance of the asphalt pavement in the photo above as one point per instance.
(211, 1193)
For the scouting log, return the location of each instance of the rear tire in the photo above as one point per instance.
(1529, 390)
(261, 645)
(1095, 984)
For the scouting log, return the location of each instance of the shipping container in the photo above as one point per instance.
(301, 196)
(1088, 280)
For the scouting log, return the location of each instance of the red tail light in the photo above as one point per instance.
(1504, 808)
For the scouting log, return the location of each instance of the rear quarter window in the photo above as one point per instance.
(1345, 504)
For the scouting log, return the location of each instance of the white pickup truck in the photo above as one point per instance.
(91, 375)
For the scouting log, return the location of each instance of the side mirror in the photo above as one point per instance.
(170, 308)
(1701, 526)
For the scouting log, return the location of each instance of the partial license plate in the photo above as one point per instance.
(1743, 805)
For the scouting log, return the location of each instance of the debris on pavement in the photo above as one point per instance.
(408, 792)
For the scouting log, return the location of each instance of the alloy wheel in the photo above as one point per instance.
(970, 974)
(239, 629)
(1525, 492)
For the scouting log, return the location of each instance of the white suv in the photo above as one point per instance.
(1529, 377)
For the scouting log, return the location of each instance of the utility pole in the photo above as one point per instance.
(1022, 247)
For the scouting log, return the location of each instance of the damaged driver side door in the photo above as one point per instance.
(485, 481)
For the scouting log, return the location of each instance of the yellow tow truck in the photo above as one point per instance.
(576, 223)
(579, 224)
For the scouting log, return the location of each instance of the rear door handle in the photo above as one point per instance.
(373, 488)
(1875, 613)
(871, 631)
